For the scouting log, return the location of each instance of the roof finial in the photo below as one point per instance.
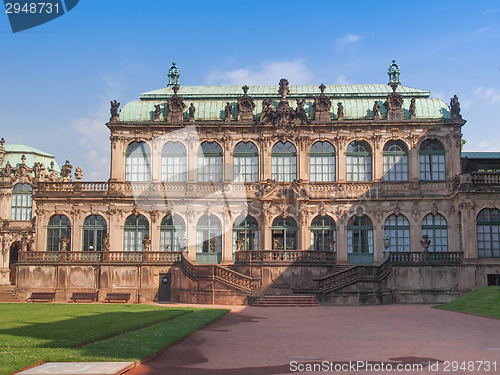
(2, 142)
(393, 74)
(173, 75)
(23, 158)
(245, 89)
(322, 88)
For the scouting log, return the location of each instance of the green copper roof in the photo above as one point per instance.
(14, 153)
(210, 101)
(481, 155)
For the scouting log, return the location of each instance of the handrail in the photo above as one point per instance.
(93, 257)
(427, 258)
(288, 257)
(219, 273)
(351, 275)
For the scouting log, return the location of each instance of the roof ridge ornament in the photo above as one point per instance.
(173, 75)
(393, 74)
(283, 90)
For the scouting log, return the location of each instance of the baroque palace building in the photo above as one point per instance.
(222, 194)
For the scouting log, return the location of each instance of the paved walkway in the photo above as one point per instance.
(265, 341)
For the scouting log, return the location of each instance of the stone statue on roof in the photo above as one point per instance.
(412, 107)
(66, 171)
(173, 75)
(393, 73)
(192, 111)
(228, 111)
(7, 170)
(340, 110)
(455, 107)
(300, 112)
(266, 116)
(157, 112)
(115, 116)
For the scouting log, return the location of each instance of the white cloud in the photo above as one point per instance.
(345, 40)
(268, 73)
(94, 139)
(341, 80)
(488, 94)
(491, 11)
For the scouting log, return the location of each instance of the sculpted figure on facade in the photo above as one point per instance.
(393, 74)
(246, 106)
(115, 114)
(322, 105)
(267, 114)
(157, 112)
(412, 108)
(300, 112)
(455, 107)
(228, 111)
(340, 111)
(175, 106)
(192, 111)
(173, 75)
(376, 110)
(7, 171)
(66, 171)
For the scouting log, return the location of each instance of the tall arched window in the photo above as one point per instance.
(436, 228)
(322, 162)
(360, 240)
(173, 162)
(245, 234)
(488, 233)
(398, 230)
(395, 161)
(245, 162)
(137, 162)
(432, 161)
(323, 236)
(210, 162)
(284, 162)
(172, 231)
(284, 234)
(94, 228)
(136, 227)
(209, 240)
(58, 226)
(21, 202)
(359, 161)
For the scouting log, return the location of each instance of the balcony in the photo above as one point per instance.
(99, 257)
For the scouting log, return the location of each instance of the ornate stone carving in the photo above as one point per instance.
(267, 114)
(455, 108)
(283, 90)
(412, 108)
(22, 173)
(246, 106)
(135, 211)
(434, 208)
(228, 112)
(300, 112)
(105, 242)
(376, 110)
(322, 105)
(393, 73)
(175, 106)
(7, 171)
(340, 111)
(173, 75)
(157, 112)
(146, 242)
(397, 210)
(377, 141)
(115, 113)
(66, 171)
(394, 104)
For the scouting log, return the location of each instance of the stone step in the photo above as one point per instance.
(286, 301)
(8, 294)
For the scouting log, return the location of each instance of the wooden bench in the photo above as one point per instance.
(42, 296)
(92, 297)
(117, 297)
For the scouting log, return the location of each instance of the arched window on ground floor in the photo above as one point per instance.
(284, 234)
(323, 237)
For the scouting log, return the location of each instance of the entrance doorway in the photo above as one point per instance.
(164, 291)
(14, 255)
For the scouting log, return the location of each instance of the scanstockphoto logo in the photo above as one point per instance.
(26, 14)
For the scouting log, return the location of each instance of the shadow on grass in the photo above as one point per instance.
(81, 330)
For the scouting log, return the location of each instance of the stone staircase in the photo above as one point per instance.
(286, 301)
(8, 294)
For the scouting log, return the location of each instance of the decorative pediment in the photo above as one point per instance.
(246, 106)
(23, 173)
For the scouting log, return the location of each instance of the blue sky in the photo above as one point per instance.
(57, 79)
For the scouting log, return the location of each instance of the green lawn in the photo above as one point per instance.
(482, 301)
(30, 333)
